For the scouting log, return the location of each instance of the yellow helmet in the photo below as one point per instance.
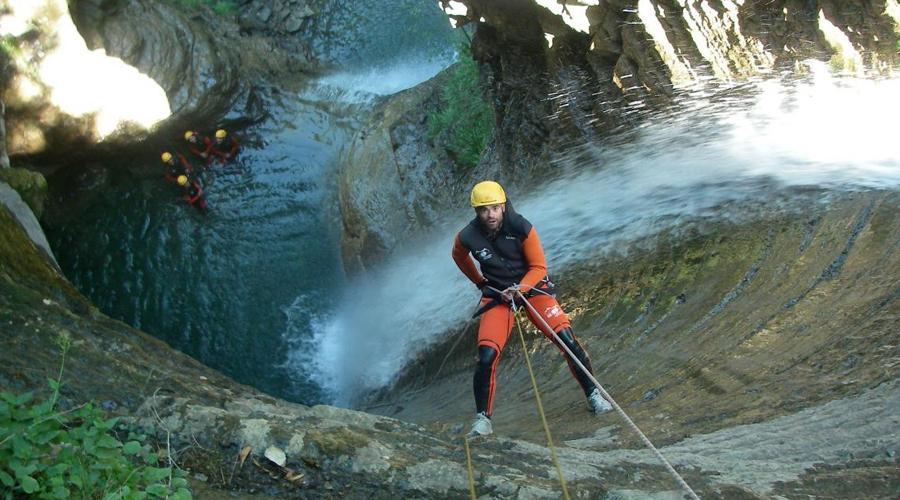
(188, 135)
(166, 157)
(487, 193)
(182, 180)
(220, 134)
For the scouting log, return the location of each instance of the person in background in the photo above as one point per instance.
(175, 166)
(224, 147)
(193, 192)
(200, 147)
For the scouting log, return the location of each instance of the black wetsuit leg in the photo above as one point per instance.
(483, 381)
(568, 338)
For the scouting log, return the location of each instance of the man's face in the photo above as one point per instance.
(491, 216)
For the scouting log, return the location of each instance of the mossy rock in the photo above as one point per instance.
(334, 442)
(31, 186)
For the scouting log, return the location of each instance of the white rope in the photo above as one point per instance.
(549, 331)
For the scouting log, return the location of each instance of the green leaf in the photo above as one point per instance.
(21, 470)
(6, 479)
(131, 448)
(57, 470)
(29, 485)
(108, 442)
(23, 398)
(181, 494)
(21, 448)
(156, 474)
(157, 489)
(54, 384)
(46, 437)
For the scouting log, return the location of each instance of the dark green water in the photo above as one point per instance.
(215, 286)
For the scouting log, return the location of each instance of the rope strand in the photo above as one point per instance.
(549, 331)
(540, 406)
(469, 467)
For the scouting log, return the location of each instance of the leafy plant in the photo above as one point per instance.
(221, 7)
(45, 453)
(465, 120)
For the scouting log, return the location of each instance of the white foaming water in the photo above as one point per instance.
(364, 84)
(719, 152)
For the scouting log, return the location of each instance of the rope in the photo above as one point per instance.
(546, 328)
(469, 466)
(540, 406)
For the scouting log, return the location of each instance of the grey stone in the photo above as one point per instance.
(264, 13)
(10, 199)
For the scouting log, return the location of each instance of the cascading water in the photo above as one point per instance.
(224, 287)
(739, 154)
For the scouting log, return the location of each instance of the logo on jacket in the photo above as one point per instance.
(483, 254)
(552, 312)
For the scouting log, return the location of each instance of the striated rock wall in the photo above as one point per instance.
(562, 71)
(392, 181)
(206, 63)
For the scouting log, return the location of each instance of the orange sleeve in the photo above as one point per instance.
(537, 263)
(464, 262)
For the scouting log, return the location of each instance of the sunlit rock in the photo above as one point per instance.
(74, 80)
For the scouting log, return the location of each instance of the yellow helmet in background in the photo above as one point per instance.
(487, 193)
(182, 180)
(166, 157)
(188, 135)
(220, 134)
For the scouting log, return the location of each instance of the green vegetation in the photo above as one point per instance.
(464, 122)
(221, 7)
(45, 453)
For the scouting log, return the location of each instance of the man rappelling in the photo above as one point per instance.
(511, 261)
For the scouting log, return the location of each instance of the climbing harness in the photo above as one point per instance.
(549, 331)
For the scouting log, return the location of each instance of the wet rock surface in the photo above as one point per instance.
(392, 180)
(206, 63)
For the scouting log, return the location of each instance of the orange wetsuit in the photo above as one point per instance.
(201, 148)
(225, 149)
